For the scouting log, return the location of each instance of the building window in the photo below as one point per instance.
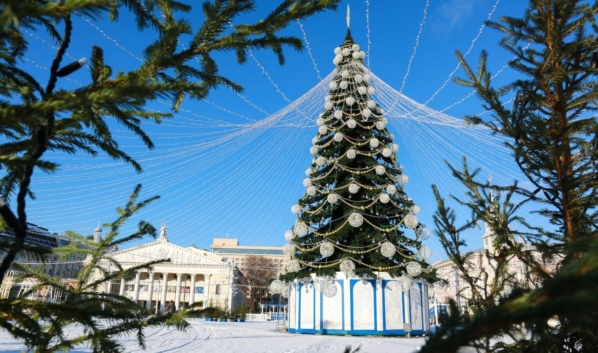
(217, 289)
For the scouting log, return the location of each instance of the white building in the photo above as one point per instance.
(482, 267)
(192, 275)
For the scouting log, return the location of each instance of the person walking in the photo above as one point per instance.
(170, 308)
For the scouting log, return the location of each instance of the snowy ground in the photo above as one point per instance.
(246, 337)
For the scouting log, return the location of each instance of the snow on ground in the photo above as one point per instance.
(244, 337)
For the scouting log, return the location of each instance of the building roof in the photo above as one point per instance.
(248, 250)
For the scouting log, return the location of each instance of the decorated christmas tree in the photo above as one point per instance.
(355, 216)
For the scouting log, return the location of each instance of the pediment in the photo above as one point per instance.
(165, 250)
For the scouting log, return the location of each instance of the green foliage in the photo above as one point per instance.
(383, 221)
(43, 325)
(211, 312)
(552, 131)
(38, 117)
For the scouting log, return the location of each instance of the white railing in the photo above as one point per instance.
(258, 317)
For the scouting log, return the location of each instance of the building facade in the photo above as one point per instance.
(191, 276)
(54, 266)
(236, 254)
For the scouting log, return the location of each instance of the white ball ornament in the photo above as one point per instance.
(332, 198)
(371, 90)
(296, 209)
(329, 289)
(414, 269)
(404, 179)
(356, 55)
(374, 143)
(395, 148)
(366, 77)
(404, 282)
(353, 188)
(362, 54)
(327, 98)
(391, 189)
(308, 171)
(315, 140)
(355, 47)
(355, 219)
(347, 267)
(344, 85)
(386, 152)
(338, 137)
(328, 105)
(415, 209)
(321, 161)
(384, 198)
(385, 120)
(425, 252)
(326, 249)
(350, 100)
(388, 249)
(307, 182)
(339, 58)
(311, 191)
(371, 104)
(336, 61)
(338, 114)
(380, 125)
(410, 221)
(358, 78)
(366, 113)
(380, 170)
(323, 130)
(351, 154)
(338, 51)
(333, 85)
(345, 74)
(362, 90)
(351, 123)
(300, 228)
(320, 121)
(293, 266)
(346, 52)
(289, 235)
(425, 233)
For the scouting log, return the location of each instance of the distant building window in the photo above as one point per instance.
(217, 289)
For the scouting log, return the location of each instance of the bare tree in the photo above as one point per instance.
(258, 272)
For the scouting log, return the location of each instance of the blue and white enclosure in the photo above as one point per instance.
(356, 306)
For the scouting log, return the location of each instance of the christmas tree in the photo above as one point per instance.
(355, 216)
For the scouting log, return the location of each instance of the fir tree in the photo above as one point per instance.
(355, 213)
(552, 131)
(41, 117)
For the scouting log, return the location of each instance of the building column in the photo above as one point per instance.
(121, 292)
(150, 291)
(206, 290)
(192, 290)
(164, 286)
(177, 295)
(136, 293)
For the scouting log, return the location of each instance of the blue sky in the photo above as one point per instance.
(215, 175)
